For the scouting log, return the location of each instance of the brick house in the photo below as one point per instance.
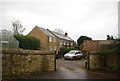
(50, 40)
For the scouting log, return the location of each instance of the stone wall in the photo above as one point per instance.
(107, 62)
(22, 62)
(96, 61)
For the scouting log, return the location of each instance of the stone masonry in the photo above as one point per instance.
(22, 62)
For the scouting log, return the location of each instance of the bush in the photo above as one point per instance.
(26, 42)
(65, 50)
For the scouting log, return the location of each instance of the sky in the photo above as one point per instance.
(92, 18)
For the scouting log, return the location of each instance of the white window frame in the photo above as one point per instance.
(60, 42)
(50, 48)
(55, 39)
(55, 48)
(67, 43)
(64, 43)
(71, 44)
(50, 39)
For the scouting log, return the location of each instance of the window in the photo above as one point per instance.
(54, 48)
(55, 39)
(4, 41)
(50, 48)
(60, 42)
(50, 39)
(64, 43)
(67, 43)
(71, 44)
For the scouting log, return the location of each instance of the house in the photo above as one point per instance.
(7, 40)
(63, 40)
(50, 40)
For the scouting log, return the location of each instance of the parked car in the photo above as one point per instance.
(73, 54)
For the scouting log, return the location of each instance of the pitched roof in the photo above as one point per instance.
(61, 36)
(48, 33)
(54, 34)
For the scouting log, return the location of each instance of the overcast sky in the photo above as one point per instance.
(92, 18)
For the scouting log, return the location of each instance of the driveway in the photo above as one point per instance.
(73, 69)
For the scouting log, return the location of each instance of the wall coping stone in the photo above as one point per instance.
(26, 52)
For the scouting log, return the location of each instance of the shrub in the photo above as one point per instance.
(26, 42)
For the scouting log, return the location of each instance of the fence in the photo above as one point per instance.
(17, 62)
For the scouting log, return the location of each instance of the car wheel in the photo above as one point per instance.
(79, 58)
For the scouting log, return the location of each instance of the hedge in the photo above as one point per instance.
(26, 42)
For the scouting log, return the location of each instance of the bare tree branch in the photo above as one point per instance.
(17, 27)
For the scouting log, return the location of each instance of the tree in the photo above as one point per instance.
(81, 40)
(17, 27)
(110, 37)
(58, 30)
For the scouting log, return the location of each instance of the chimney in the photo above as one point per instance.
(66, 33)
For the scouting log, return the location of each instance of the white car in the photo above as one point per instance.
(73, 54)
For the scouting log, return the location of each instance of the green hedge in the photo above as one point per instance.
(29, 43)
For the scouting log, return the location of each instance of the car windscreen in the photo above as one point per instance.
(71, 52)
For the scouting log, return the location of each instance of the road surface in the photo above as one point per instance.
(73, 69)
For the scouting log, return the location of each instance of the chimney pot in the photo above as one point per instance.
(66, 34)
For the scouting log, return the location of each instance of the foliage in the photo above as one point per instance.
(59, 30)
(17, 27)
(65, 50)
(26, 42)
(112, 49)
(110, 37)
(71, 69)
(81, 39)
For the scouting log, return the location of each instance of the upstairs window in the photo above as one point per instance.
(60, 42)
(50, 39)
(55, 39)
(64, 43)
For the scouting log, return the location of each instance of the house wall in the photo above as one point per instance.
(18, 62)
(37, 33)
(66, 41)
(53, 44)
(45, 44)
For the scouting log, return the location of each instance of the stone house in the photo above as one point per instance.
(50, 40)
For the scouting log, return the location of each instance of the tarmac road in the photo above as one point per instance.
(73, 69)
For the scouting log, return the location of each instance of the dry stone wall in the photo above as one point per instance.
(22, 62)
